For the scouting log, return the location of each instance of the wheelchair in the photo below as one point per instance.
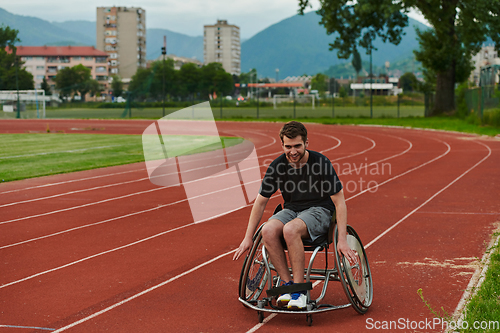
(258, 274)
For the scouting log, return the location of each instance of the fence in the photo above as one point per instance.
(479, 99)
(404, 105)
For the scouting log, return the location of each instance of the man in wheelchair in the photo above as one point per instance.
(312, 192)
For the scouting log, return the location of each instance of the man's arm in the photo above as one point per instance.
(341, 211)
(255, 216)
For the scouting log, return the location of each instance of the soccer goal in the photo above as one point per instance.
(31, 103)
(288, 100)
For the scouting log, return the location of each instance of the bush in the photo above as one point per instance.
(492, 118)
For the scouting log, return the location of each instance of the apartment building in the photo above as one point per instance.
(121, 33)
(487, 56)
(47, 61)
(221, 43)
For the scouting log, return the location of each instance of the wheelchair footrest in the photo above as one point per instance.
(294, 288)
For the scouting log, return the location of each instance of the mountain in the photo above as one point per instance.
(179, 44)
(37, 32)
(86, 28)
(299, 45)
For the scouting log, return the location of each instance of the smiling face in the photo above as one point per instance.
(295, 150)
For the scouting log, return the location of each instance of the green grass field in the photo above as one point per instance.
(484, 307)
(34, 155)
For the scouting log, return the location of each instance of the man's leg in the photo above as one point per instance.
(271, 235)
(293, 232)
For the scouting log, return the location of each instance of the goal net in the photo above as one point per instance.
(289, 100)
(31, 103)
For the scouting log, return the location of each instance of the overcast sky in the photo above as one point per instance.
(183, 16)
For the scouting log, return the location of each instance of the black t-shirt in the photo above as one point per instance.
(309, 186)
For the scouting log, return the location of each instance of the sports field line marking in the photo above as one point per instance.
(62, 329)
(28, 327)
(382, 160)
(460, 213)
(59, 152)
(432, 197)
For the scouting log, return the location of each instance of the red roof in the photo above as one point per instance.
(60, 51)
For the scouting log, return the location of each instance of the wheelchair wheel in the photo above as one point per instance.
(253, 276)
(356, 278)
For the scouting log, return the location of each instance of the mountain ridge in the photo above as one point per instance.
(296, 45)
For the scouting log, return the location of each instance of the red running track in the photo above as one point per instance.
(106, 250)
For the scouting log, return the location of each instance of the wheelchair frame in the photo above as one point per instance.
(258, 271)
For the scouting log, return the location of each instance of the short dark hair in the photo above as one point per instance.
(293, 129)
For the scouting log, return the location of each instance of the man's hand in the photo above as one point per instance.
(245, 245)
(344, 249)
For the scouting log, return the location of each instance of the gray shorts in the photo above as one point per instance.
(317, 219)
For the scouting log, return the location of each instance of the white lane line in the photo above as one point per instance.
(404, 173)
(432, 197)
(357, 170)
(28, 327)
(62, 329)
(60, 152)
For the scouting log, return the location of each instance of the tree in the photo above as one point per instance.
(408, 82)
(117, 86)
(46, 87)
(459, 29)
(214, 79)
(70, 80)
(64, 80)
(356, 62)
(10, 63)
(189, 80)
(319, 82)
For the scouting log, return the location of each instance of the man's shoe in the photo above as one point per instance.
(283, 300)
(298, 301)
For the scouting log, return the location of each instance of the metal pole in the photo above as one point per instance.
(17, 88)
(371, 82)
(164, 52)
(258, 97)
(333, 99)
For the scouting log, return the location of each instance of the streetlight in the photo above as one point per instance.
(164, 52)
(277, 75)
